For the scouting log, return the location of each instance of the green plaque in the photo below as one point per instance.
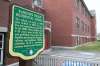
(27, 33)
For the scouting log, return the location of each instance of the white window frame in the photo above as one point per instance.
(1, 60)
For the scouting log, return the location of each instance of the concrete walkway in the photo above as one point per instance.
(62, 52)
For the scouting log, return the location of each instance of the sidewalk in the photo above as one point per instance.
(67, 52)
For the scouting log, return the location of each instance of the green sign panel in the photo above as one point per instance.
(27, 33)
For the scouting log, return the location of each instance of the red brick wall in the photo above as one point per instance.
(63, 15)
(23, 2)
(93, 28)
(4, 13)
(83, 18)
(60, 14)
(4, 9)
(87, 20)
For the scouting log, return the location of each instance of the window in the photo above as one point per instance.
(77, 26)
(38, 3)
(83, 26)
(83, 9)
(1, 47)
(77, 3)
(88, 29)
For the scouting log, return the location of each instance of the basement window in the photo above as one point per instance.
(38, 3)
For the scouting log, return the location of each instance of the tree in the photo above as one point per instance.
(98, 36)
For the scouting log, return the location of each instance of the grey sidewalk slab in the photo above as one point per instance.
(73, 53)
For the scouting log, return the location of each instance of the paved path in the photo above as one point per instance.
(74, 54)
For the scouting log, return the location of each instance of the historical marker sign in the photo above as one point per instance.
(27, 33)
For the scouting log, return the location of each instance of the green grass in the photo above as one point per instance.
(91, 46)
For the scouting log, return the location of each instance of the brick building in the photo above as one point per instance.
(5, 14)
(72, 22)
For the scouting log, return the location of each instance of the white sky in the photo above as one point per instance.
(95, 4)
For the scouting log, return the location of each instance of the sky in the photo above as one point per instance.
(95, 4)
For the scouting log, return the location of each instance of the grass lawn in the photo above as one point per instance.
(91, 46)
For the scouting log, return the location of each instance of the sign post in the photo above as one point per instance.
(27, 33)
